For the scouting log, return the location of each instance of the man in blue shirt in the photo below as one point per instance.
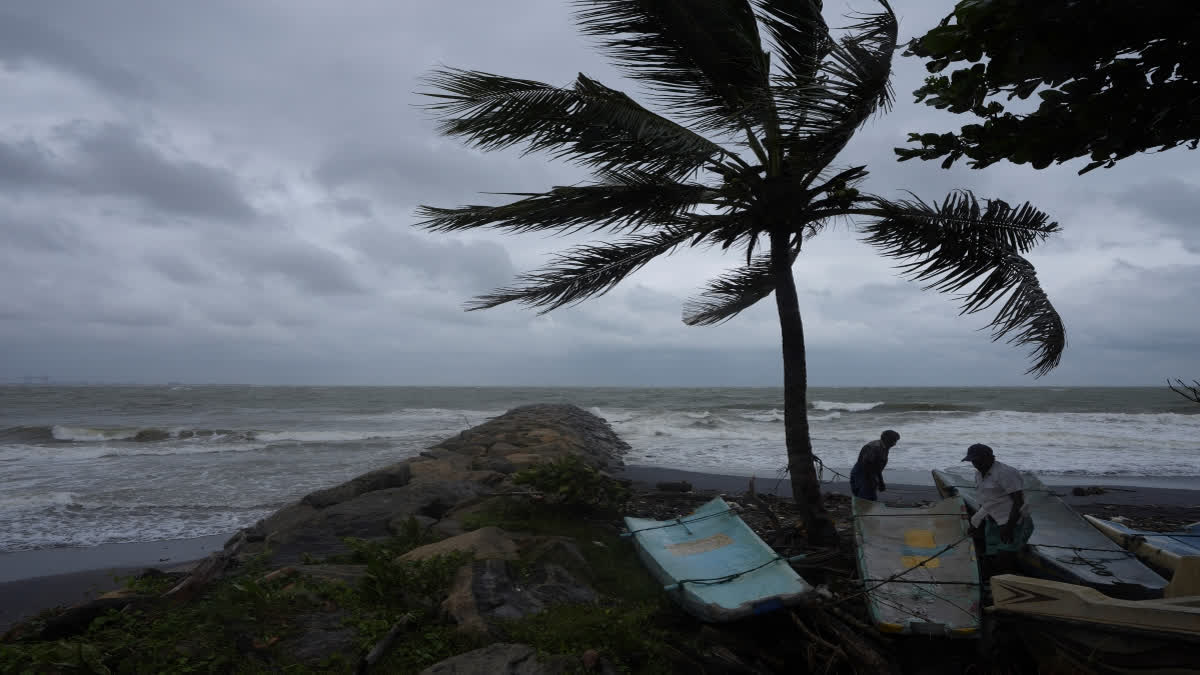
(866, 478)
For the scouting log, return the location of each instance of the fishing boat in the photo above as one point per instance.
(714, 566)
(1064, 547)
(919, 568)
(1080, 630)
(1162, 550)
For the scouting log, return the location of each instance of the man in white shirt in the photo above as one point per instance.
(1003, 513)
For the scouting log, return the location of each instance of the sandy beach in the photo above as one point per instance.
(31, 581)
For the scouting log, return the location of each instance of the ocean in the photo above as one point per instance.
(88, 465)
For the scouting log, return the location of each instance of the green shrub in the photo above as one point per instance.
(572, 482)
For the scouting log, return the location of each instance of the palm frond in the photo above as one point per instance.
(589, 123)
(626, 201)
(733, 292)
(585, 271)
(959, 242)
(853, 83)
(704, 60)
(799, 36)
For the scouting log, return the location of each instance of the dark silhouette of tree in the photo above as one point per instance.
(1114, 79)
(1189, 391)
(765, 97)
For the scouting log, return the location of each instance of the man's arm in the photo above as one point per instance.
(1014, 513)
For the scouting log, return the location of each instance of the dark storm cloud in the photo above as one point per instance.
(475, 266)
(51, 234)
(26, 39)
(1172, 202)
(440, 173)
(311, 269)
(116, 160)
(354, 206)
(25, 163)
(177, 268)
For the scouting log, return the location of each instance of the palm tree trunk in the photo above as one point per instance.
(806, 490)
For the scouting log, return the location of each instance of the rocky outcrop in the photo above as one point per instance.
(545, 430)
(510, 574)
(449, 475)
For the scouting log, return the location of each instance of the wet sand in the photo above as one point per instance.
(31, 581)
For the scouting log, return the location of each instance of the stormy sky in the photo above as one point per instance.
(224, 192)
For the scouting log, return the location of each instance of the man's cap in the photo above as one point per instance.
(890, 435)
(977, 451)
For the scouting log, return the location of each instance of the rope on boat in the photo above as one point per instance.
(1084, 548)
(677, 522)
(897, 575)
(940, 583)
(712, 581)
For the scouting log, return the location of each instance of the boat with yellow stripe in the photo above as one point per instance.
(918, 568)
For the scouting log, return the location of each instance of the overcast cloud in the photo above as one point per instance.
(224, 192)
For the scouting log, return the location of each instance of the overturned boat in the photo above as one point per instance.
(919, 568)
(1065, 547)
(714, 566)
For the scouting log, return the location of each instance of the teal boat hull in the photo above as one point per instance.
(714, 566)
(941, 596)
(1064, 547)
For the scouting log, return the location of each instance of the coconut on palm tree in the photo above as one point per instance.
(754, 100)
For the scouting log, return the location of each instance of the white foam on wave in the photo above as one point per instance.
(763, 415)
(37, 531)
(1101, 444)
(331, 436)
(613, 416)
(848, 407)
(85, 434)
(26, 502)
(75, 453)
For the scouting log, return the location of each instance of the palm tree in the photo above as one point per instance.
(747, 166)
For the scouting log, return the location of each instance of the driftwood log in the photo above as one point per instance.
(860, 651)
(380, 649)
(205, 572)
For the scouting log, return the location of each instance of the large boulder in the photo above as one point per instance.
(504, 659)
(487, 590)
(318, 637)
(486, 543)
(303, 529)
(392, 476)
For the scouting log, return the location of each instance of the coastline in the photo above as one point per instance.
(32, 581)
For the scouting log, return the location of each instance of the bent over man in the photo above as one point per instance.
(866, 478)
(1003, 513)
